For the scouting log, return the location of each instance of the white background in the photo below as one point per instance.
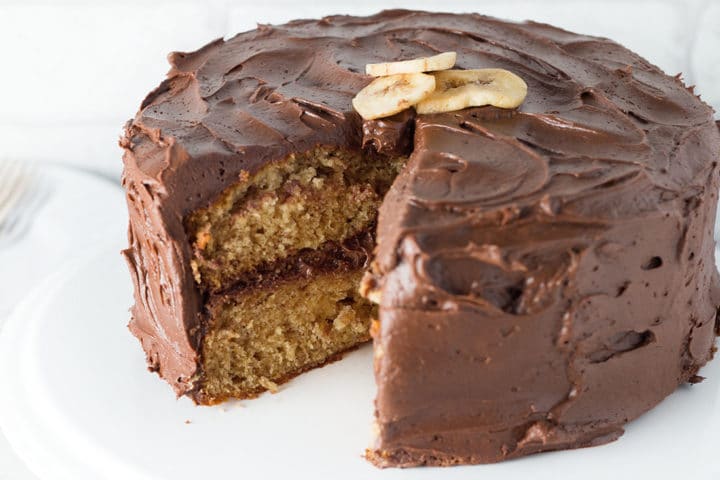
(73, 71)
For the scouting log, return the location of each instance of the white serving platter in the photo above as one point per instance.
(77, 403)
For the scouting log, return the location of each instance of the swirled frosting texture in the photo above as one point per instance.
(546, 274)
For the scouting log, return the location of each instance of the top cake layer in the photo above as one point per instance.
(601, 129)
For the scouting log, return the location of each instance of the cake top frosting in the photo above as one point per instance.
(277, 89)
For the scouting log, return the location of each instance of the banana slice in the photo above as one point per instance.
(442, 61)
(389, 95)
(458, 89)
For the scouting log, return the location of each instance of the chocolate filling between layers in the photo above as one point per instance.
(346, 256)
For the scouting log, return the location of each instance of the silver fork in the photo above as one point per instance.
(22, 192)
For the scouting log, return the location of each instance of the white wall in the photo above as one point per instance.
(72, 71)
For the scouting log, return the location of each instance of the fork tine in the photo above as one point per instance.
(8, 230)
(20, 219)
(14, 179)
(9, 175)
(29, 199)
(11, 196)
(19, 225)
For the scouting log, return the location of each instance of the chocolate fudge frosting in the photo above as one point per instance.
(546, 274)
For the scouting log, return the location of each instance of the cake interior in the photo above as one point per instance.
(301, 203)
(266, 336)
(279, 259)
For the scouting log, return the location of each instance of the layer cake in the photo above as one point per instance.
(543, 275)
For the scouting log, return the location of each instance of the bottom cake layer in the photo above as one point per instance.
(260, 337)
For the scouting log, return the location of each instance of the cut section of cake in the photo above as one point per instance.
(276, 261)
(544, 272)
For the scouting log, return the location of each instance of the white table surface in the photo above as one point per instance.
(79, 69)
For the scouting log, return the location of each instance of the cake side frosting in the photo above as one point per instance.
(545, 275)
(532, 328)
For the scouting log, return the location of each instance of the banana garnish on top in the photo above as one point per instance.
(458, 89)
(401, 85)
(417, 65)
(389, 95)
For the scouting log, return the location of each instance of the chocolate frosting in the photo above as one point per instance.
(546, 274)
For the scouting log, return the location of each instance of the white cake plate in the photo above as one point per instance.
(77, 403)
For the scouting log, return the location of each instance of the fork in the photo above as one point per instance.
(21, 194)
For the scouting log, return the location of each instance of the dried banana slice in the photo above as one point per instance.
(442, 61)
(389, 95)
(458, 89)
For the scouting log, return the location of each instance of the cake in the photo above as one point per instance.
(535, 278)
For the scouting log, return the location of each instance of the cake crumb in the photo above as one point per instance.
(269, 384)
